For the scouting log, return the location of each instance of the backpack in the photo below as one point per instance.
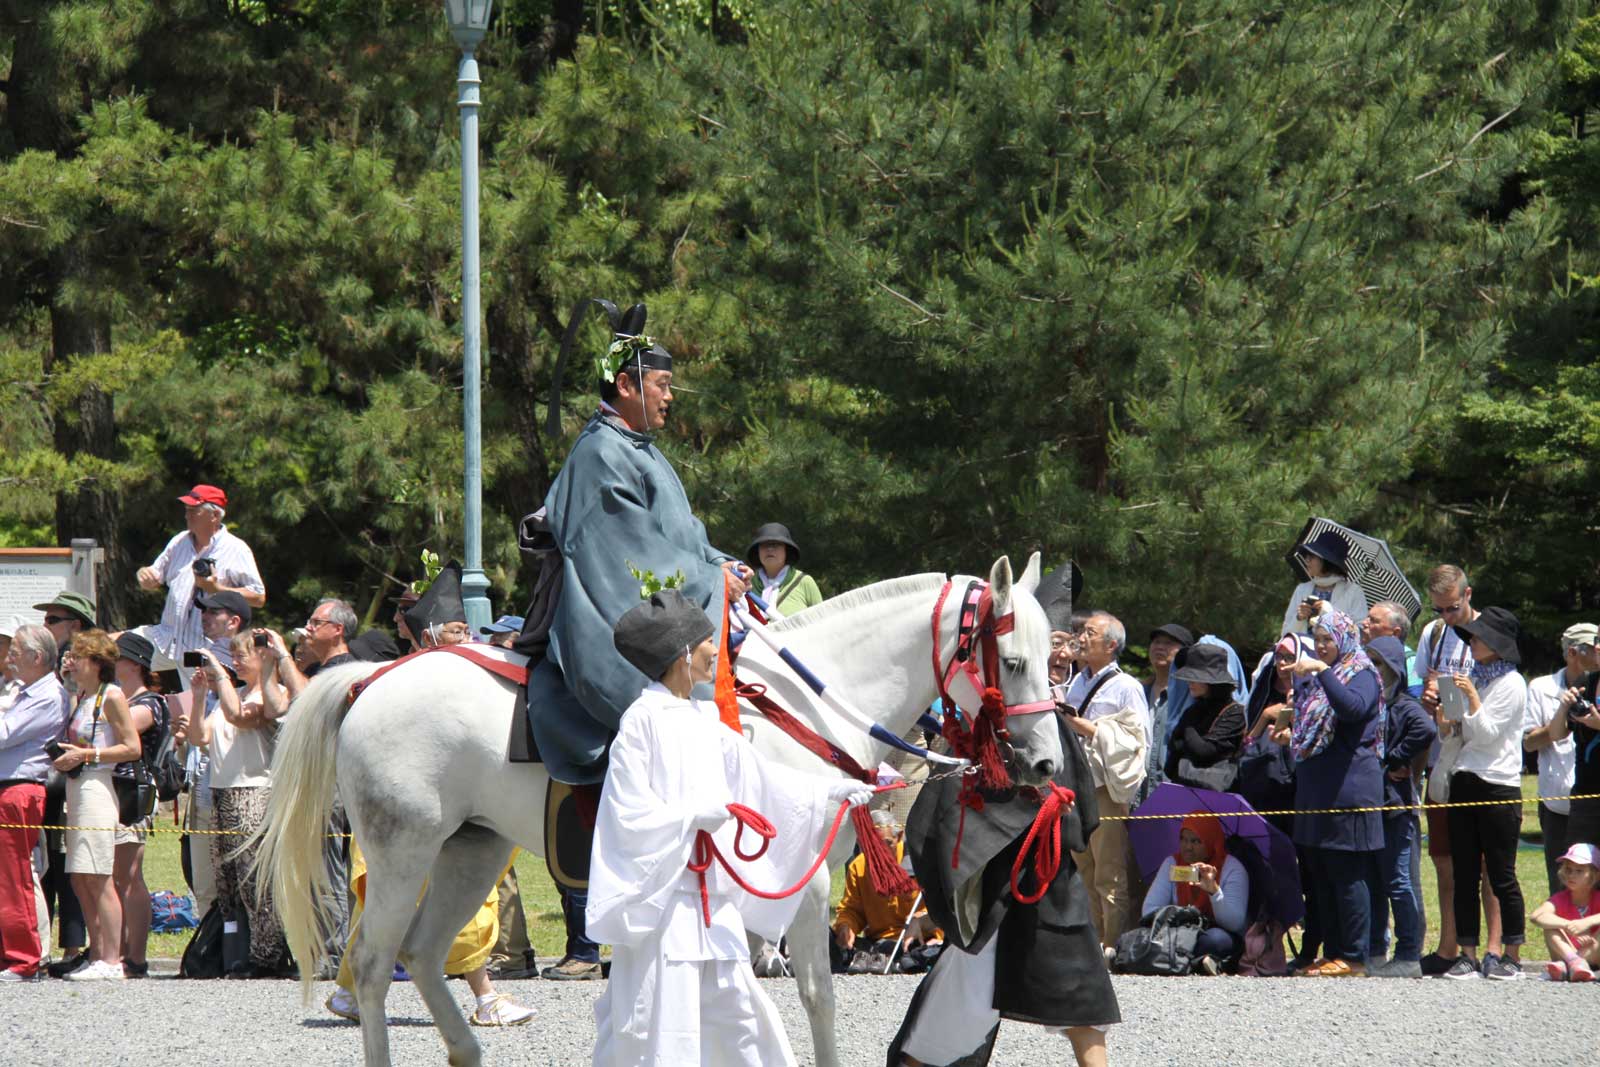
(1166, 947)
(202, 957)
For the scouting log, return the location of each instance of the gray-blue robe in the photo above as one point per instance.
(616, 501)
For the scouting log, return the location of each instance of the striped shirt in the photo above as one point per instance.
(234, 565)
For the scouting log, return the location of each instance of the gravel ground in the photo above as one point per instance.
(1215, 1021)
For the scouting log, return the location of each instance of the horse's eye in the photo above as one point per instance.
(1012, 663)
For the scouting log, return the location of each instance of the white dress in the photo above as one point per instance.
(682, 993)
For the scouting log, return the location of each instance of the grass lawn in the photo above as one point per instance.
(546, 931)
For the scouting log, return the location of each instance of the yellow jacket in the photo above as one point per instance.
(865, 911)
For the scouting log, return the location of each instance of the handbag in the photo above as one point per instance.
(1263, 955)
(136, 796)
(1219, 777)
(1166, 947)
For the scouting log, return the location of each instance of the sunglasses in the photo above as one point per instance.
(52, 620)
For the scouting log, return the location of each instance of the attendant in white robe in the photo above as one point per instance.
(682, 991)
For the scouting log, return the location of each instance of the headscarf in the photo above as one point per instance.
(1261, 687)
(1313, 716)
(1209, 830)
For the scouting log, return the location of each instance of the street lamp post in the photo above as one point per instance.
(469, 21)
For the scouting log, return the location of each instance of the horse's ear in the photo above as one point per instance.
(1030, 575)
(1000, 580)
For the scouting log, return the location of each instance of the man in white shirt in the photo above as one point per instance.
(1556, 758)
(1107, 710)
(204, 559)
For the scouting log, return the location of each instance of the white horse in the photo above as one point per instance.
(420, 762)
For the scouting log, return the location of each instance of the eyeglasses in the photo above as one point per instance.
(51, 620)
(312, 624)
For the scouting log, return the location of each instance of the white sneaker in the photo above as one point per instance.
(500, 1010)
(98, 971)
(343, 1004)
(13, 976)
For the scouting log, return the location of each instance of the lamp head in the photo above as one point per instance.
(469, 21)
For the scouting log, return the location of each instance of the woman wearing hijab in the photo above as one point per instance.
(1322, 566)
(785, 587)
(1204, 747)
(1217, 884)
(1489, 767)
(1337, 744)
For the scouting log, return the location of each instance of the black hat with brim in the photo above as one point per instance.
(1328, 545)
(1497, 628)
(772, 531)
(1207, 664)
(659, 631)
(135, 648)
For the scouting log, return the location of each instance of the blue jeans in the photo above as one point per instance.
(579, 947)
(1389, 883)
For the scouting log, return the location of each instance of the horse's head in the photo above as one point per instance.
(1024, 673)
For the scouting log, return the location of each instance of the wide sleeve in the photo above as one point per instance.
(1499, 709)
(642, 844)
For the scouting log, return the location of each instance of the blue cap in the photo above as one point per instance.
(505, 624)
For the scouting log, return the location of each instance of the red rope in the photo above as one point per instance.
(705, 850)
(1047, 856)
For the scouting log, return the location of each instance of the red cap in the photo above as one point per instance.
(205, 494)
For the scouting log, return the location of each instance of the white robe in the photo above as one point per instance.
(681, 993)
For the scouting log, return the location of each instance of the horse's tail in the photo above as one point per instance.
(289, 857)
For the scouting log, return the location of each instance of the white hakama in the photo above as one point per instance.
(682, 993)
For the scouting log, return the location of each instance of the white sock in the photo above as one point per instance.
(487, 998)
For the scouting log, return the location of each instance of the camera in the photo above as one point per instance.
(194, 659)
(1184, 873)
(1580, 707)
(260, 640)
(203, 567)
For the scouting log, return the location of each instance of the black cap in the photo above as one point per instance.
(1178, 633)
(228, 601)
(1328, 545)
(625, 326)
(1204, 663)
(772, 531)
(440, 603)
(135, 648)
(1497, 628)
(658, 631)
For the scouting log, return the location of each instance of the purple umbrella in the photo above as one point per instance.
(1265, 850)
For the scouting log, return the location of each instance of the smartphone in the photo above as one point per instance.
(194, 659)
(261, 640)
(1184, 873)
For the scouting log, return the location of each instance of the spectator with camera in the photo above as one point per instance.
(238, 740)
(1322, 561)
(37, 715)
(205, 559)
(149, 714)
(1557, 759)
(1202, 875)
(1488, 767)
(1578, 717)
(100, 735)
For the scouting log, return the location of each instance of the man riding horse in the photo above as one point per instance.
(617, 504)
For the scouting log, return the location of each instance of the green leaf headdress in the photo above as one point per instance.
(629, 345)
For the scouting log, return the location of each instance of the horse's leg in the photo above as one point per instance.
(391, 902)
(808, 949)
(462, 878)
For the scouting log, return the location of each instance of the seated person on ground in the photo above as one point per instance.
(867, 925)
(1202, 875)
(1569, 918)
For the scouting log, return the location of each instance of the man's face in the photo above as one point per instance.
(703, 661)
(1451, 606)
(219, 623)
(1060, 655)
(322, 633)
(1584, 658)
(1093, 648)
(454, 633)
(1377, 625)
(1162, 649)
(646, 411)
(61, 625)
(201, 520)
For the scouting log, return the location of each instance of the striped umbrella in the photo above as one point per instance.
(1371, 565)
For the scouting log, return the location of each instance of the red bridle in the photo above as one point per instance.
(979, 625)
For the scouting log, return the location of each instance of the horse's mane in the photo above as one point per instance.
(867, 594)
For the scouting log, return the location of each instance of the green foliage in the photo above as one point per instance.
(650, 585)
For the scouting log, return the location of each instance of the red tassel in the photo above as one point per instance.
(889, 879)
(987, 727)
